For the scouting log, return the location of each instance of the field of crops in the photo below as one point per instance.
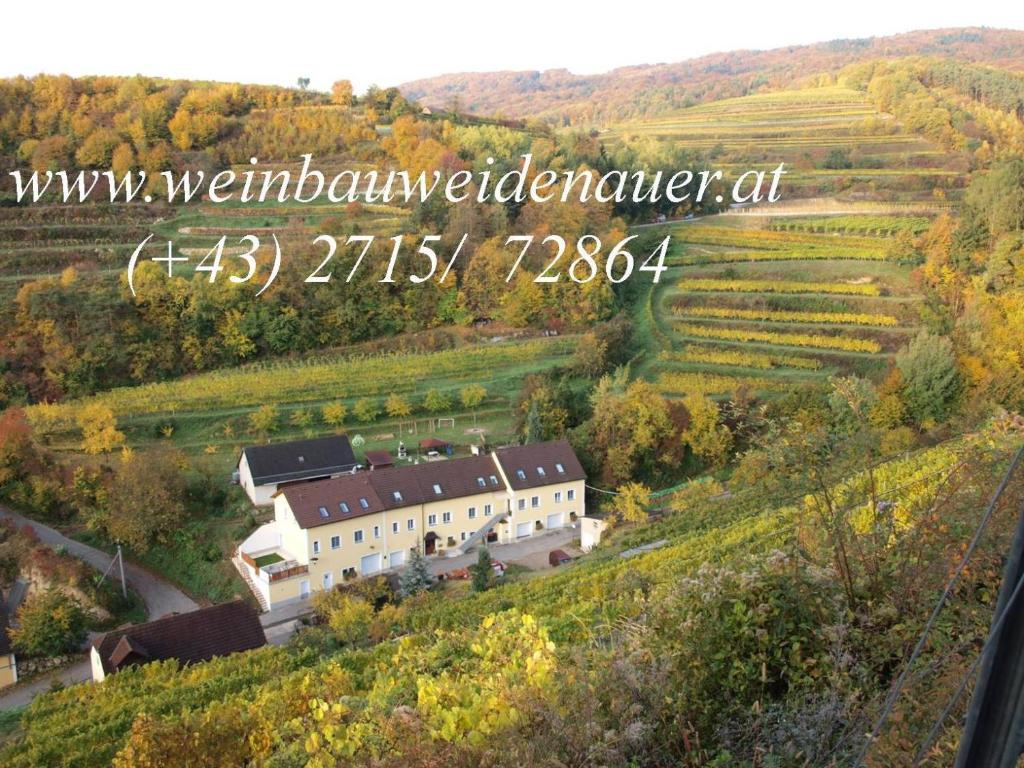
(198, 406)
(801, 128)
(753, 306)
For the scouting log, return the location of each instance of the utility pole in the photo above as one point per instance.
(994, 733)
(120, 564)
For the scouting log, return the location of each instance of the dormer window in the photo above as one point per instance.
(324, 513)
(560, 468)
(344, 507)
(397, 495)
(481, 482)
(437, 489)
(494, 479)
(302, 459)
(520, 474)
(364, 503)
(540, 471)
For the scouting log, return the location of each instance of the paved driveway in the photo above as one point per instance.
(531, 552)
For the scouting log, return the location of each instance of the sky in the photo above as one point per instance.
(390, 42)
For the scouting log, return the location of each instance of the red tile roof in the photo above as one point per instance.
(188, 637)
(539, 464)
(322, 502)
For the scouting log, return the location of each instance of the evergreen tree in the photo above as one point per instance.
(416, 577)
(533, 430)
(483, 571)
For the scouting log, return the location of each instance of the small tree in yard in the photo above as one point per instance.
(416, 578)
(471, 397)
(50, 623)
(483, 571)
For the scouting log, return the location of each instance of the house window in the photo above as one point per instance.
(472, 513)
(463, 535)
(431, 520)
(494, 479)
(376, 531)
(560, 469)
(571, 494)
(394, 527)
(324, 512)
(535, 502)
(446, 517)
(558, 497)
(522, 504)
(481, 482)
(487, 510)
(364, 503)
(358, 536)
(540, 471)
(520, 474)
(397, 495)
(335, 542)
(344, 508)
(316, 546)
(437, 489)
(410, 524)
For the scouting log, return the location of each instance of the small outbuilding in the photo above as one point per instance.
(379, 460)
(188, 637)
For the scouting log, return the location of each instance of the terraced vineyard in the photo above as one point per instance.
(745, 304)
(802, 128)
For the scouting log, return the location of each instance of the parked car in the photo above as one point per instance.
(558, 557)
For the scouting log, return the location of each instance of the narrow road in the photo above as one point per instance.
(160, 597)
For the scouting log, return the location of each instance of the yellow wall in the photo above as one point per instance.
(299, 542)
(8, 670)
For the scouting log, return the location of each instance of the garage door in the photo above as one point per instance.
(523, 530)
(369, 564)
(396, 559)
(555, 521)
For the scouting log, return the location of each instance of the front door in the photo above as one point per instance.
(430, 543)
(328, 580)
(304, 589)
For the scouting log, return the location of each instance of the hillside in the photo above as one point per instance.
(654, 89)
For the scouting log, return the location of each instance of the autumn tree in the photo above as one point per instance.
(366, 409)
(707, 437)
(99, 429)
(50, 623)
(471, 397)
(334, 414)
(631, 432)
(397, 407)
(341, 93)
(145, 500)
(264, 419)
(632, 502)
(436, 401)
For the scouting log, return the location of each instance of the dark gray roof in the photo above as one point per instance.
(188, 637)
(299, 459)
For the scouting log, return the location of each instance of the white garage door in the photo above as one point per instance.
(396, 559)
(523, 530)
(555, 521)
(369, 564)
